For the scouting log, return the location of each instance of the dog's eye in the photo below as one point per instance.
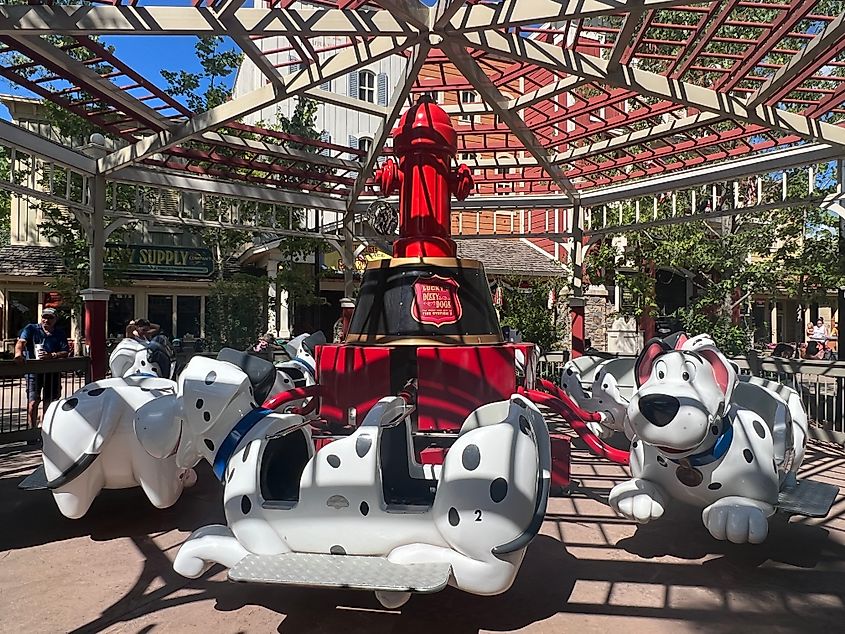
(689, 371)
(685, 376)
(660, 375)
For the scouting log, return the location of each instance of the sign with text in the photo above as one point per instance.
(436, 301)
(144, 260)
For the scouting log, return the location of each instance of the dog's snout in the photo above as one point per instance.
(659, 409)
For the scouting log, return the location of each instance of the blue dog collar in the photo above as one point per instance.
(719, 448)
(233, 439)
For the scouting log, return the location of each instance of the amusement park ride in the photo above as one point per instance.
(416, 457)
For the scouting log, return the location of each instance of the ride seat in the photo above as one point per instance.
(261, 373)
(773, 411)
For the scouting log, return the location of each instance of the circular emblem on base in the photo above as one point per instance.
(689, 476)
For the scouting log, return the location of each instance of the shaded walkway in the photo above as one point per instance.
(588, 572)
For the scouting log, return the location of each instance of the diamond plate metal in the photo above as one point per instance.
(809, 498)
(34, 481)
(341, 571)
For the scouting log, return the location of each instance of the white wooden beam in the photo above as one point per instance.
(358, 55)
(517, 48)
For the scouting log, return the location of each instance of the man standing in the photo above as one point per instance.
(41, 341)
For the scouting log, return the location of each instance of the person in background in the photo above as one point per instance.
(142, 330)
(341, 326)
(41, 341)
(820, 332)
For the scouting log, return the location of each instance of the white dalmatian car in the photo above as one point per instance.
(358, 512)
(731, 448)
(89, 437)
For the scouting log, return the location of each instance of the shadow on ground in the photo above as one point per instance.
(31, 518)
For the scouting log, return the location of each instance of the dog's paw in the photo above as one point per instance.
(608, 400)
(739, 520)
(570, 381)
(638, 500)
(599, 429)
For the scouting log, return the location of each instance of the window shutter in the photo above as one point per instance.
(294, 68)
(382, 89)
(325, 137)
(353, 143)
(353, 84)
(326, 85)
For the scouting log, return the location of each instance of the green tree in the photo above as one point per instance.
(236, 308)
(525, 308)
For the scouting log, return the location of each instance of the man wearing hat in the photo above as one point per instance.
(41, 341)
(341, 326)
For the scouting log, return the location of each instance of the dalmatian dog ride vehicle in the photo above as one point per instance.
(729, 447)
(606, 395)
(350, 514)
(89, 441)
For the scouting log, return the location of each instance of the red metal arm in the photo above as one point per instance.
(276, 401)
(566, 408)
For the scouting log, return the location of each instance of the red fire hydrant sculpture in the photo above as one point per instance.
(426, 143)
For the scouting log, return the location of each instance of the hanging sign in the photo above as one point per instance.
(436, 301)
(143, 260)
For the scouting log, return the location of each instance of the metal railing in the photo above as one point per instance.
(73, 373)
(821, 385)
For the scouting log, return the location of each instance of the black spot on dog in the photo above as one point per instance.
(231, 473)
(604, 386)
(759, 429)
(749, 457)
(206, 416)
(70, 404)
(143, 363)
(714, 486)
(199, 403)
(714, 430)
(471, 457)
(209, 444)
(333, 460)
(634, 444)
(211, 377)
(569, 371)
(454, 518)
(246, 505)
(661, 461)
(97, 391)
(498, 489)
(364, 508)
(362, 445)
(246, 452)
(337, 550)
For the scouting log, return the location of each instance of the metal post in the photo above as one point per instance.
(95, 296)
(840, 295)
(348, 255)
(576, 299)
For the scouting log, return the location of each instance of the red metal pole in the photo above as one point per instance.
(576, 311)
(96, 305)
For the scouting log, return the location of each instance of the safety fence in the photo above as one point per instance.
(821, 385)
(68, 375)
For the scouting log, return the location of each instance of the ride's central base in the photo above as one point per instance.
(341, 571)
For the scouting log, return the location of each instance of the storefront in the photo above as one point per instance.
(167, 285)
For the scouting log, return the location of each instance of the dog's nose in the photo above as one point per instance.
(659, 409)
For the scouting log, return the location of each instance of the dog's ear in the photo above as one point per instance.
(653, 349)
(677, 340)
(723, 370)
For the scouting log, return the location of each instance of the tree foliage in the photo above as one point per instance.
(525, 307)
(236, 309)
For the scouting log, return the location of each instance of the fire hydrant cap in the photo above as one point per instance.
(426, 123)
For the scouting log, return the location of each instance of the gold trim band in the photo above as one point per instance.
(418, 340)
(456, 263)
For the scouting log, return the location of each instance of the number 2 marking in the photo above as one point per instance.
(477, 515)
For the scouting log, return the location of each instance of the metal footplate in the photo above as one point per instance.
(341, 571)
(35, 481)
(809, 498)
